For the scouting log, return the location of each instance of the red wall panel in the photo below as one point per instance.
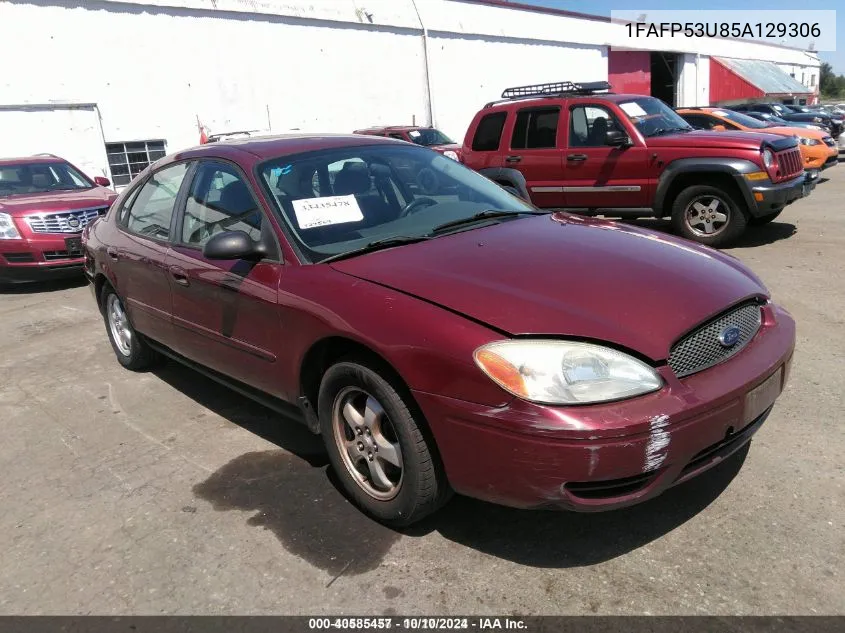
(726, 85)
(629, 71)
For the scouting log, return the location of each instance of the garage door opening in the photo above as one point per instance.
(664, 77)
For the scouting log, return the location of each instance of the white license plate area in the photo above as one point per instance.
(762, 396)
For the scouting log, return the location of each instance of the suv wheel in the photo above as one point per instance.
(708, 215)
(376, 446)
(131, 350)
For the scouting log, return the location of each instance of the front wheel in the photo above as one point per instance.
(708, 215)
(377, 446)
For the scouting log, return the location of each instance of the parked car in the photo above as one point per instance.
(818, 149)
(461, 340)
(776, 120)
(426, 136)
(788, 114)
(45, 202)
(576, 147)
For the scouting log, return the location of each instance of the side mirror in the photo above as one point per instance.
(233, 245)
(719, 128)
(615, 138)
(103, 182)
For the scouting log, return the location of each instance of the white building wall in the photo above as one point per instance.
(694, 80)
(154, 66)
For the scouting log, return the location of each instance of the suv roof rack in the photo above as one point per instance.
(554, 89)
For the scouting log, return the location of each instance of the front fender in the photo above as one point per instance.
(734, 167)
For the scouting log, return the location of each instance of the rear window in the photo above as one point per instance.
(489, 132)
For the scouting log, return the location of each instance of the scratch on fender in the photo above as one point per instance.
(658, 442)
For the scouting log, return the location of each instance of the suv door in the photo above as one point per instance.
(225, 311)
(534, 150)
(145, 222)
(599, 176)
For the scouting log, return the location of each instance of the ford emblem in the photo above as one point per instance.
(729, 336)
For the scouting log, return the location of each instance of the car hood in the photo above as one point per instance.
(799, 131)
(563, 275)
(706, 138)
(57, 201)
(454, 147)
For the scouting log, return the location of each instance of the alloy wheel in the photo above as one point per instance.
(707, 216)
(119, 325)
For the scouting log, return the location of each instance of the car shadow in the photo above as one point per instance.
(754, 236)
(38, 287)
(293, 493)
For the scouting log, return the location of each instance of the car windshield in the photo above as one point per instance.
(742, 119)
(653, 117)
(40, 177)
(340, 200)
(428, 136)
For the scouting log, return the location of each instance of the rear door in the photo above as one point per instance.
(225, 311)
(139, 256)
(535, 150)
(598, 176)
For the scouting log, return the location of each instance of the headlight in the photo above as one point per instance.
(8, 230)
(768, 158)
(817, 120)
(565, 372)
(809, 141)
(450, 154)
(815, 127)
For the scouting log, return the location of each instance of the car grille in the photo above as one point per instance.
(64, 221)
(701, 348)
(19, 258)
(789, 164)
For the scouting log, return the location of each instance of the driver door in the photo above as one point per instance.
(598, 176)
(225, 312)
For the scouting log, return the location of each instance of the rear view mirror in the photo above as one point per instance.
(615, 138)
(101, 181)
(233, 245)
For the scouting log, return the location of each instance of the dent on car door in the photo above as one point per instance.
(138, 259)
(596, 174)
(224, 311)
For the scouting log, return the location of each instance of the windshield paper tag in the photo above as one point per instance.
(632, 109)
(314, 212)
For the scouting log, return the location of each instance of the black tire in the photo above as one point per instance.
(132, 351)
(723, 232)
(765, 219)
(421, 487)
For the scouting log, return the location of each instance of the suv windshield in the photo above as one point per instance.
(428, 136)
(653, 117)
(742, 119)
(341, 200)
(42, 177)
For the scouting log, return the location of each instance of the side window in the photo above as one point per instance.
(535, 128)
(699, 121)
(219, 200)
(150, 210)
(489, 132)
(589, 125)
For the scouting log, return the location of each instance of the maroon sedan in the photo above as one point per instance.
(45, 202)
(460, 340)
(426, 136)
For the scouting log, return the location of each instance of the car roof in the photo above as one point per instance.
(31, 159)
(598, 96)
(264, 147)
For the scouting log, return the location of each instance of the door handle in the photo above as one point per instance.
(179, 276)
(111, 251)
(576, 158)
(513, 159)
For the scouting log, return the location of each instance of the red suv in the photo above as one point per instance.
(426, 136)
(45, 202)
(458, 339)
(578, 147)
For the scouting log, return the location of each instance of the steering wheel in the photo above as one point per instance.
(415, 205)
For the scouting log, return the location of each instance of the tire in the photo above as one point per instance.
(689, 205)
(765, 219)
(130, 348)
(399, 485)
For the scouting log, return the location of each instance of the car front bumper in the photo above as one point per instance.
(768, 197)
(40, 258)
(601, 457)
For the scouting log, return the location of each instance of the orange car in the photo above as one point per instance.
(818, 149)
